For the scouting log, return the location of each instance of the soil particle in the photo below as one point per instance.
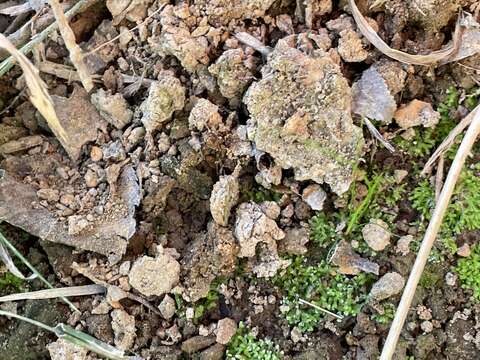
(295, 241)
(232, 73)
(393, 74)
(309, 127)
(350, 47)
(368, 348)
(226, 328)
(113, 108)
(64, 350)
(100, 326)
(416, 113)
(197, 343)
(425, 344)
(376, 234)
(349, 262)
(211, 254)
(154, 276)
(214, 352)
(51, 195)
(224, 197)
(10, 133)
(123, 326)
(388, 285)
(204, 115)
(403, 245)
(165, 96)
(167, 307)
(464, 250)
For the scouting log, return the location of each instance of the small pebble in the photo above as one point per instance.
(96, 153)
(464, 250)
(226, 328)
(450, 279)
(376, 234)
(426, 326)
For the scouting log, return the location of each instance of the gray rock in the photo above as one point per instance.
(113, 108)
(114, 151)
(388, 285)
(314, 196)
(167, 307)
(197, 343)
(224, 196)
(301, 115)
(123, 326)
(64, 350)
(154, 276)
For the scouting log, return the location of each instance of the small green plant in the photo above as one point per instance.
(321, 286)
(208, 303)
(323, 232)
(468, 271)
(463, 213)
(260, 194)
(245, 346)
(387, 315)
(9, 282)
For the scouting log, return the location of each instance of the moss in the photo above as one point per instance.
(387, 315)
(322, 230)
(246, 346)
(320, 285)
(468, 271)
(10, 283)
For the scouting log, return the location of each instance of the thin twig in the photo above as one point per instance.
(76, 54)
(445, 145)
(339, 317)
(8, 63)
(429, 238)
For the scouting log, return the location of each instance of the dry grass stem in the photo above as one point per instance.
(376, 134)
(445, 145)
(76, 54)
(376, 40)
(429, 238)
(339, 317)
(56, 293)
(253, 42)
(38, 91)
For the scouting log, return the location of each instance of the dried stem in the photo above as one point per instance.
(76, 54)
(429, 238)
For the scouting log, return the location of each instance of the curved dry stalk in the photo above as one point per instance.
(376, 40)
(429, 238)
(445, 145)
(76, 54)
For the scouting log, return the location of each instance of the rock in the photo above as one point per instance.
(97, 61)
(165, 96)
(403, 245)
(350, 47)
(9, 133)
(76, 224)
(91, 178)
(392, 72)
(315, 9)
(224, 197)
(317, 139)
(416, 113)
(314, 196)
(135, 137)
(113, 108)
(123, 326)
(51, 195)
(349, 262)
(451, 279)
(233, 75)
(114, 151)
(154, 276)
(197, 343)
(214, 352)
(388, 285)
(295, 241)
(96, 154)
(204, 115)
(222, 12)
(64, 350)
(167, 307)
(376, 234)
(253, 226)
(20, 144)
(210, 255)
(226, 328)
(79, 120)
(400, 175)
(372, 98)
(464, 250)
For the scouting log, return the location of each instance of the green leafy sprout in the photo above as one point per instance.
(468, 270)
(246, 346)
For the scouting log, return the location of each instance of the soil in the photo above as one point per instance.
(195, 168)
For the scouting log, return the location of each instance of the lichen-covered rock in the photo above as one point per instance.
(154, 276)
(123, 325)
(233, 75)
(164, 97)
(301, 115)
(350, 47)
(222, 12)
(204, 115)
(224, 196)
(416, 113)
(113, 108)
(211, 254)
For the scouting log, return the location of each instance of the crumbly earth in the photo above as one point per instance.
(220, 174)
